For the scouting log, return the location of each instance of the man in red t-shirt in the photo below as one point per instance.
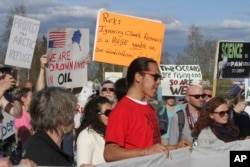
(133, 129)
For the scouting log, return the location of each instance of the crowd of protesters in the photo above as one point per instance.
(119, 121)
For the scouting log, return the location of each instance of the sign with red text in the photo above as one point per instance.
(22, 42)
(177, 78)
(120, 38)
(67, 51)
(232, 59)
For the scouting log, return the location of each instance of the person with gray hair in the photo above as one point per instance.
(108, 90)
(208, 93)
(52, 116)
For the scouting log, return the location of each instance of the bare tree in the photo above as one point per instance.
(202, 52)
(195, 43)
(18, 10)
(40, 48)
(165, 58)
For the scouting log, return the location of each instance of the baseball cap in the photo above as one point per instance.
(4, 67)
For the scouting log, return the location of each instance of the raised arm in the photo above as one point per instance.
(40, 83)
(15, 108)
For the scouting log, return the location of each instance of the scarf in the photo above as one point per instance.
(226, 132)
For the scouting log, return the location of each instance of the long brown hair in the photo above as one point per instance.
(204, 120)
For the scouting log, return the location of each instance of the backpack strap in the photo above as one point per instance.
(163, 121)
(181, 120)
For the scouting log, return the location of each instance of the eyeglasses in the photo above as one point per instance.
(222, 113)
(106, 112)
(181, 99)
(198, 96)
(155, 75)
(207, 95)
(108, 89)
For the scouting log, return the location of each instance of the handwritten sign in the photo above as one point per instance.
(113, 76)
(177, 78)
(233, 59)
(67, 52)
(121, 38)
(8, 126)
(22, 42)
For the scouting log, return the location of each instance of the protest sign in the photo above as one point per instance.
(176, 78)
(8, 128)
(67, 51)
(22, 42)
(113, 76)
(120, 38)
(206, 156)
(247, 89)
(232, 59)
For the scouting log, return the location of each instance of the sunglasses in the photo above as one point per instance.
(222, 113)
(108, 89)
(156, 76)
(207, 95)
(198, 96)
(181, 100)
(106, 112)
(170, 97)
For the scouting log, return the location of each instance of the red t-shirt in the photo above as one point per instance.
(133, 125)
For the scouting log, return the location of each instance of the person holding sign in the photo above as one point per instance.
(7, 82)
(40, 84)
(133, 128)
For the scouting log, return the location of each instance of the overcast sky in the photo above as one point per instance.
(217, 19)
